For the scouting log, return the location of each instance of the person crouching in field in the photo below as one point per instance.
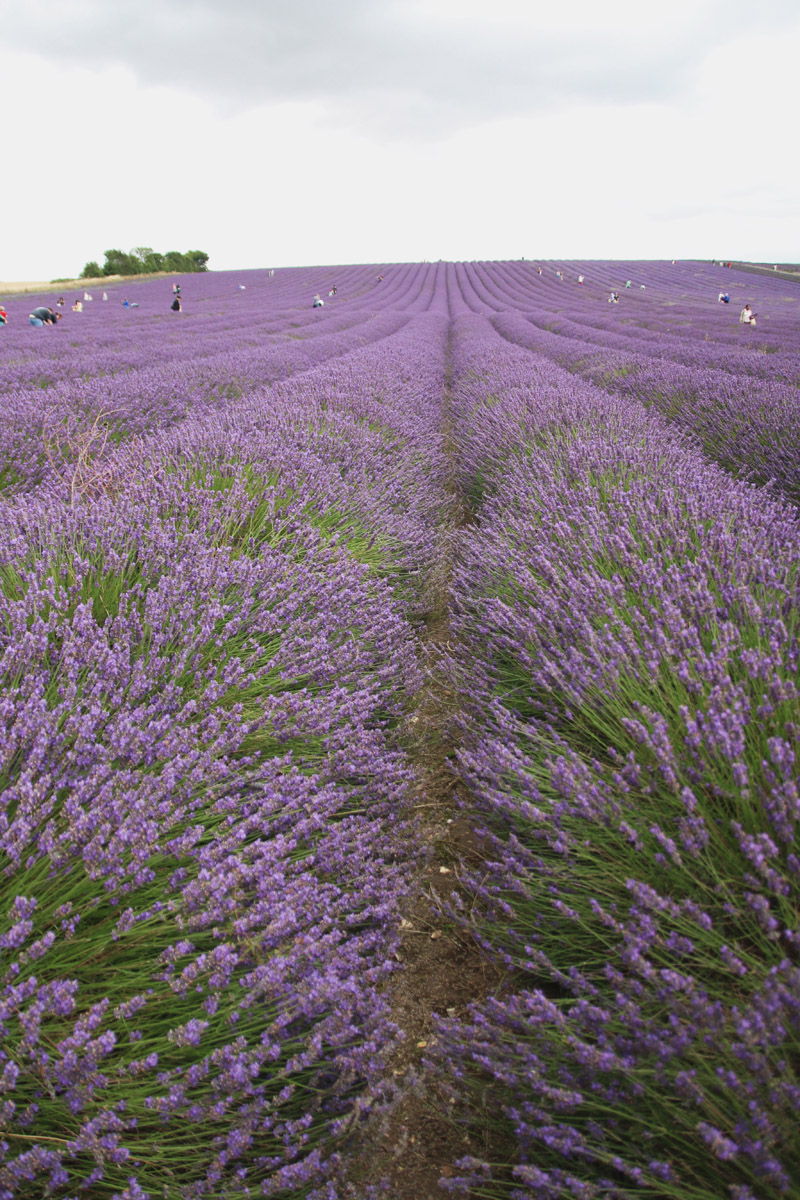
(44, 316)
(176, 304)
(318, 301)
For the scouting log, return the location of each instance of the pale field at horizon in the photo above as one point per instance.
(29, 286)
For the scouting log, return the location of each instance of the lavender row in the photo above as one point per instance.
(164, 372)
(672, 303)
(217, 316)
(749, 426)
(627, 617)
(41, 426)
(684, 321)
(364, 431)
(204, 659)
(756, 362)
(675, 301)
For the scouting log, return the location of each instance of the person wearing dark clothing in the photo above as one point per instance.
(45, 315)
(176, 304)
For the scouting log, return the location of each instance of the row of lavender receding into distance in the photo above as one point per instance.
(744, 414)
(626, 619)
(207, 654)
(161, 374)
(220, 534)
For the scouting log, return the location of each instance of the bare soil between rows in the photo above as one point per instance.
(409, 1150)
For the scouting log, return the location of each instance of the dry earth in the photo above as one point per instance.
(7, 288)
(61, 285)
(406, 1152)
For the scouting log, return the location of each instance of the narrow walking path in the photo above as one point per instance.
(409, 1150)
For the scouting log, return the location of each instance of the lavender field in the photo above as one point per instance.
(223, 534)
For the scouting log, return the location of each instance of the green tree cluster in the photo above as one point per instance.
(144, 260)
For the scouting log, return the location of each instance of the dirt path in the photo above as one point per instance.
(413, 1147)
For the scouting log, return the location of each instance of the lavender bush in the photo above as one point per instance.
(197, 777)
(205, 655)
(749, 427)
(628, 624)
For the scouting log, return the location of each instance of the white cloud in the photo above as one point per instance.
(373, 61)
(691, 163)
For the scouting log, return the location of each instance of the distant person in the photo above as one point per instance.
(176, 304)
(271, 274)
(747, 316)
(318, 301)
(3, 316)
(613, 298)
(174, 289)
(60, 302)
(724, 298)
(105, 295)
(242, 287)
(87, 295)
(43, 316)
(628, 283)
(333, 290)
(580, 279)
(126, 303)
(559, 275)
(77, 306)
(538, 270)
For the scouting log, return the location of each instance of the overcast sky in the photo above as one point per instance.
(290, 132)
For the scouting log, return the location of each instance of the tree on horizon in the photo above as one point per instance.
(144, 260)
